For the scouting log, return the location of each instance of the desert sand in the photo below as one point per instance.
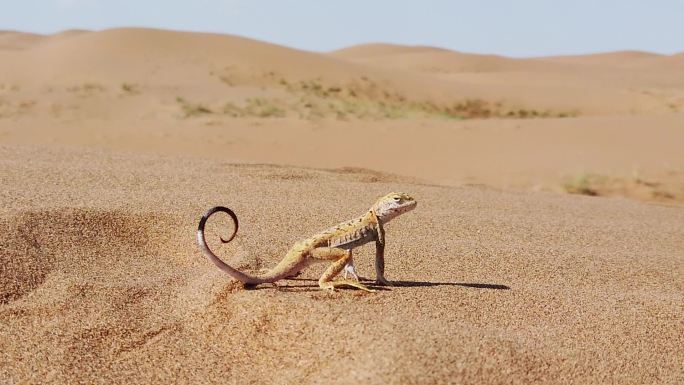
(113, 144)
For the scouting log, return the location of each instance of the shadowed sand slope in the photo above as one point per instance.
(101, 278)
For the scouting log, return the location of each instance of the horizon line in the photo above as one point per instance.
(554, 55)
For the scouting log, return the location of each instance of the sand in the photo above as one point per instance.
(500, 275)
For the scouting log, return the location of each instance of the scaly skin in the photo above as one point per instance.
(333, 245)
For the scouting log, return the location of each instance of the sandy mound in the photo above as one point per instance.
(104, 282)
(84, 241)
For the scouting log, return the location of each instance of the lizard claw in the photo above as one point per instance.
(350, 270)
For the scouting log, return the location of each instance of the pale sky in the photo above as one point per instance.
(507, 27)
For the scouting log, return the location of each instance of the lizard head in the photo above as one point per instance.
(392, 205)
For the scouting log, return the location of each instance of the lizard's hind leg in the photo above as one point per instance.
(339, 258)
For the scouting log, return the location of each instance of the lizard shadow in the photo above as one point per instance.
(314, 285)
(493, 286)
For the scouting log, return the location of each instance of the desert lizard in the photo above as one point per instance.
(333, 245)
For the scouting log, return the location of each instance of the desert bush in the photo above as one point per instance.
(130, 88)
(580, 185)
(192, 109)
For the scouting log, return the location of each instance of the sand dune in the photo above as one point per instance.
(604, 82)
(11, 40)
(113, 143)
(165, 58)
(433, 59)
(619, 59)
(218, 63)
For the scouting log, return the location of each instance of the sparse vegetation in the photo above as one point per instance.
(27, 104)
(130, 88)
(263, 108)
(9, 87)
(192, 109)
(662, 195)
(581, 184)
(252, 107)
(86, 89)
(9, 109)
(92, 87)
(632, 187)
(361, 98)
(4, 109)
(365, 99)
(226, 80)
(232, 110)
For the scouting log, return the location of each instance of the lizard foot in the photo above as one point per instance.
(349, 269)
(353, 275)
(327, 286)
(332, 285)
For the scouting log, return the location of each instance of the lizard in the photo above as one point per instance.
(333, 246)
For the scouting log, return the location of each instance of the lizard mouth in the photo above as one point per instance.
(408, 206)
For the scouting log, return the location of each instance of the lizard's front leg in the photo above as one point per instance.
(380, 264)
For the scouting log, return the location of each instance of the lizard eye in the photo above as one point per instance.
(397, 199)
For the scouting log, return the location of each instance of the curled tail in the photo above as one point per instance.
(240, 276)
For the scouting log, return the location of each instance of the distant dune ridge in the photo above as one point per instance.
(11, 40)
(166, 58)
(113, 143)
